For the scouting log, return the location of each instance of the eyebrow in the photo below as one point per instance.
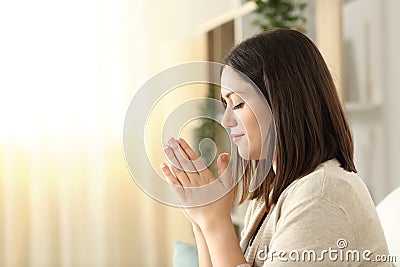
(229, 94)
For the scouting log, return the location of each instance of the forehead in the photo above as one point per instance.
(231, 81)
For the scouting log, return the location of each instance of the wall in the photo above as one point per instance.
(371, 58)
(391, 70)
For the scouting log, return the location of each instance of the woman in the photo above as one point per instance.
(311, 208)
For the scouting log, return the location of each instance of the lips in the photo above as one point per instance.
(236, 137)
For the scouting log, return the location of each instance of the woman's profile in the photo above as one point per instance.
(311, 208)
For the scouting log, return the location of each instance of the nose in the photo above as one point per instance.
(228, 120)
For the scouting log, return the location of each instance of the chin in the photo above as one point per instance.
(247, 155)
(244, 153)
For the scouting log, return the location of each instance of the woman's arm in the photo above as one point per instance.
(202, 249)
(193, 185)
(223, 244)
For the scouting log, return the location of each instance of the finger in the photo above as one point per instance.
(223, 171)
(222, 163)
(180, 174)
(183, 159)
(188, 150)
(176, 187)
(186, 153)
(196, 160)
(182, 177)
(169, 175)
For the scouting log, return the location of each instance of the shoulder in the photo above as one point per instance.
(333, 193)
(328, 182)
(327, 205)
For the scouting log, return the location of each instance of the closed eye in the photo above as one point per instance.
(238, 106)
(223, 102)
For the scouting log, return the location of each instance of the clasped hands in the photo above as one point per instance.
(206, 200)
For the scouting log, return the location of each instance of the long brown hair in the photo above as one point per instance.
(311, 126)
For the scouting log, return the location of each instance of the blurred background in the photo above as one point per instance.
(68, 71)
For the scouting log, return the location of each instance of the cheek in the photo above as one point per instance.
(252, 126)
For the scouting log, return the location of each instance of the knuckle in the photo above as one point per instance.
(177, 169)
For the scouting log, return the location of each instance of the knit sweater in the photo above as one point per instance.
(326, 218)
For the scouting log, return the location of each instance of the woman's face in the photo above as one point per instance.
(246, 115)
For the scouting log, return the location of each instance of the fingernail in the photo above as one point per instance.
(225, 157)
(171, 141)
(165, 148)
(163, 166)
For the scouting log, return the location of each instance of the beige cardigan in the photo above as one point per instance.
(329, 209)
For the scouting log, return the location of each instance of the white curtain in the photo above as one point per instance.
(68, 70)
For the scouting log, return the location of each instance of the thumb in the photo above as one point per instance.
(222, 163)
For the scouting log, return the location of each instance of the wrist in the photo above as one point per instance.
(195, 228)
(220, 238)
(218, 225)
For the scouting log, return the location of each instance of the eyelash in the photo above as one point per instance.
(223, 102)
(240, 105)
